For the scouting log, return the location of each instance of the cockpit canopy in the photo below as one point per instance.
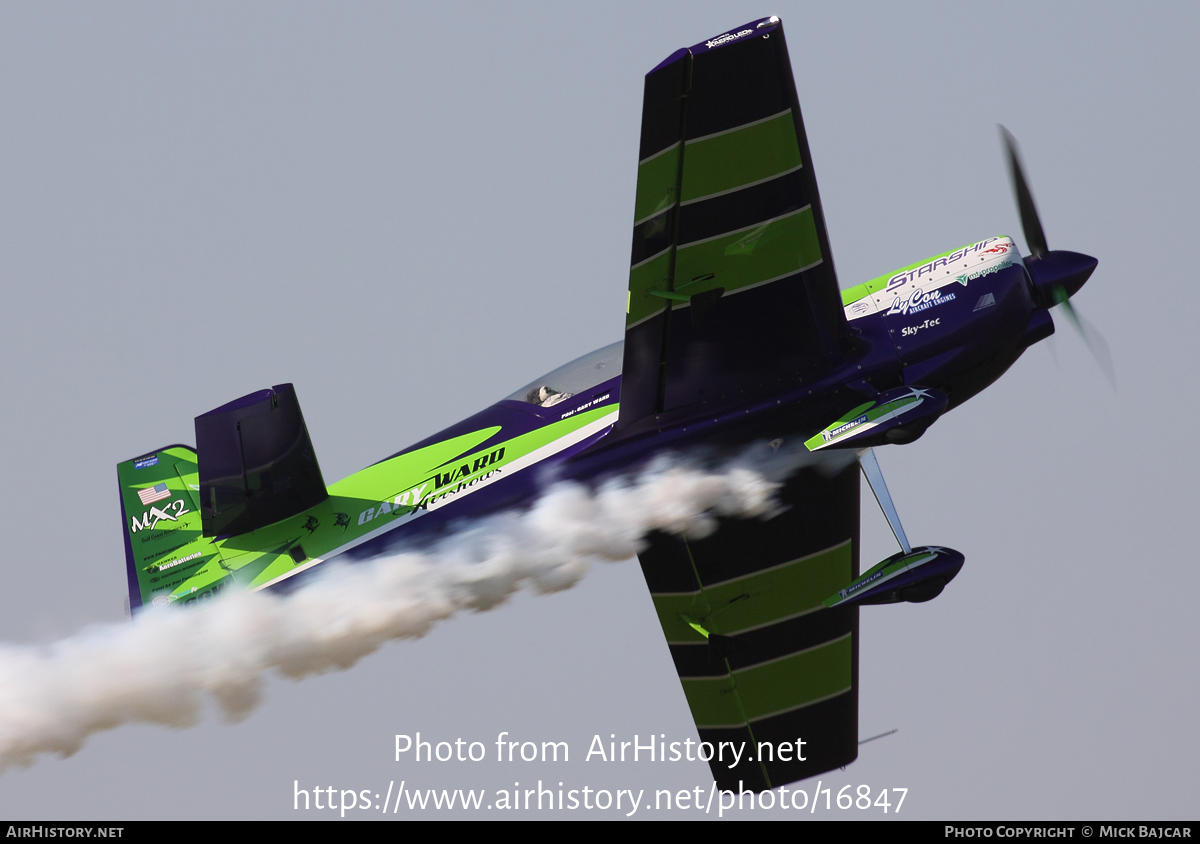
(578, 376)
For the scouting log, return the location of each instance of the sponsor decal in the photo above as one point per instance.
(963, 279)
(911, 330)
(900, 279)
(171, 564)
(155, 493)
(441, 485)
(148, 460)
(919, 300)
(845, 592)
(164, 533)
(150, 519)
(841, 429)
(161, 600)
(985, 301)
(725, 39)
(860, 307)
(869, 419)
(460, 488)
(904, 564)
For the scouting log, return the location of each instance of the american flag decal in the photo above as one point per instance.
(155, 493)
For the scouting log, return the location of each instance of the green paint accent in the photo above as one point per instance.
(772, 687)
(165, 533)
(756, 599)
(736, 158)
(652, 275)
(859, 291)
(817, 440)
(888, 568)
(663, 294)
(360, 504)
(698, 629)
(656, 184)
(869, 410)
(379, 481)
(739, 259)
(750, 256)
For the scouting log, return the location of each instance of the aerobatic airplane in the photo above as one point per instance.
(735, 333)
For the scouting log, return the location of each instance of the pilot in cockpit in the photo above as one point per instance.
(546, 397)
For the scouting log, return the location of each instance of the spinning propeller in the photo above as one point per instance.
(1056, 275)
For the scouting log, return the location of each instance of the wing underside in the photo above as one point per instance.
(763, 664)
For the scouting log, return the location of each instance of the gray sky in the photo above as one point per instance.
(410, 210)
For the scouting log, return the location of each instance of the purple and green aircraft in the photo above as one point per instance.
(735, 333)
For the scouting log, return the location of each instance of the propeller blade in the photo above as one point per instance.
(1092, 338)
(1035, 238)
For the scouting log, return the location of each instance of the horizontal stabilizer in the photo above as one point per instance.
(257, 464)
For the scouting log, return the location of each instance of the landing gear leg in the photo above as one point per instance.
(870, 468)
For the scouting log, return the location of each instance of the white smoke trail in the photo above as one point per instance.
(159, 668)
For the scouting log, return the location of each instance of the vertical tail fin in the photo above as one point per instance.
(160, 513)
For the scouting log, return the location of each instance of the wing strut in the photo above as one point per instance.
(870, 468)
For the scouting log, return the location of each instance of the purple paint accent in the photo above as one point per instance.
(245, 401)
(1041, 326)
(703, 46)
(514, 418)
(945, 566)
(256, 463)
(947, 334)
(511, 417)
(674, 57)
(1059, 269)
(135, 592)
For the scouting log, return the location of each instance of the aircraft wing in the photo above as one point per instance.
(763, 664)
(732, 289)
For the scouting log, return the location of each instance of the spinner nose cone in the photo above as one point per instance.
(1058, 274)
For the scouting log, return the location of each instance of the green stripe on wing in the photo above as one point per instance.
(740, 157)
(762, 690)
(750, 256)
(656, 181)
(756, 599)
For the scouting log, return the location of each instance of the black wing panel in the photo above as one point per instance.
(760, 659)
(731, 291)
